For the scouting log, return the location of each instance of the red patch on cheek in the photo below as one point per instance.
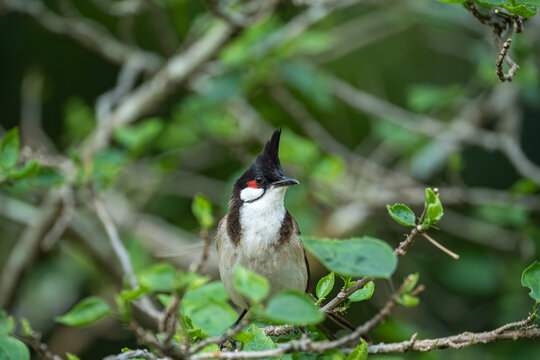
(252, 184)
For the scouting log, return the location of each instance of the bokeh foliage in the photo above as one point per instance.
(427, 58)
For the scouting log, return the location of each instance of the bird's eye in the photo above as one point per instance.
(259, 180)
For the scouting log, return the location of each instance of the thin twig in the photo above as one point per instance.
(503, 55)
(39, 346)
(116, 242)
(238, 20)
(86, 32)
(219, 339)
(169, 319)
(442, 248)
(135, 354)
(197, 265)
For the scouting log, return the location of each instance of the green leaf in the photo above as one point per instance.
(190, 281)
(79, 120)
(72, 357)
(6, 323)
(244, 337)
(365, 256)
(26, 328)
(160, 277)
(325, 285)
(521, 10)
(412, 280)
(202, 209)
(13, 349)
(408, 300)
(9, 149)
(260, 340)
(332, 354)
(133, 294)
(531, 279)
(423, 97)
(292, 307)
(434, 210)
(29, 169)
(107, 165)
(402, 214)
(136, 137)
(515, 216)
(210, 348)
(364, 293)
(253, 286)
(86, 312)
(308, 80)
(212, 316)
(329, 169)
(211, 291)
(360, 352)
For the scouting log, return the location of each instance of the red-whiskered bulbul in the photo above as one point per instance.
(258, 233)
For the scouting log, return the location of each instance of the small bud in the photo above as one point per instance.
(436, 190)
(419, 227)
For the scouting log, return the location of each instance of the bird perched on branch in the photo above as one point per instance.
(258, 233)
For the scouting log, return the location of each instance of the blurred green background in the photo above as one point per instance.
(377, 101)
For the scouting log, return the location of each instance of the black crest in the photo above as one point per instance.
(267, 166)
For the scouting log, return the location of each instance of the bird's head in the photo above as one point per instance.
(265, 178)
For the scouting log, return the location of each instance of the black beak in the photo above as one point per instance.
(285, 181)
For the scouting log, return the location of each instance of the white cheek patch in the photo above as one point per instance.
(250, 194)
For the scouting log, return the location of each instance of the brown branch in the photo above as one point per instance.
(219, 339)
(503, 55)
(135, 354)
(197, 265)
(460, 341)
(440, 247)
(39, 346)
(522, 329)
(499, 21)
(26, 248)
(169, 319)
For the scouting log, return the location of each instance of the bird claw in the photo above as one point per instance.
(231, 342)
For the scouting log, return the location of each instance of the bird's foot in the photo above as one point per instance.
(226, 343)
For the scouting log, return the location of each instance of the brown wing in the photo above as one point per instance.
(297, 232)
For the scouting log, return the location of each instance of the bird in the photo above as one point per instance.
(259, 233)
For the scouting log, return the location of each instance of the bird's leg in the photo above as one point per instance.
(233, 343)
(240, 318)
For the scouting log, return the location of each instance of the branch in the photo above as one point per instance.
(88, 33)
(40, 347)
(196, 266)
(237, 20)
(149, 95)
(219, 339)
(27, 247)
(144, 304)
(503, 55)
(133, 354)
(460, 341)
(522, 330)
(460, 131)
(306, 344)
(116, 242)
(499, 22)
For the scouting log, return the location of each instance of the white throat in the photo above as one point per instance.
(261, 219)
